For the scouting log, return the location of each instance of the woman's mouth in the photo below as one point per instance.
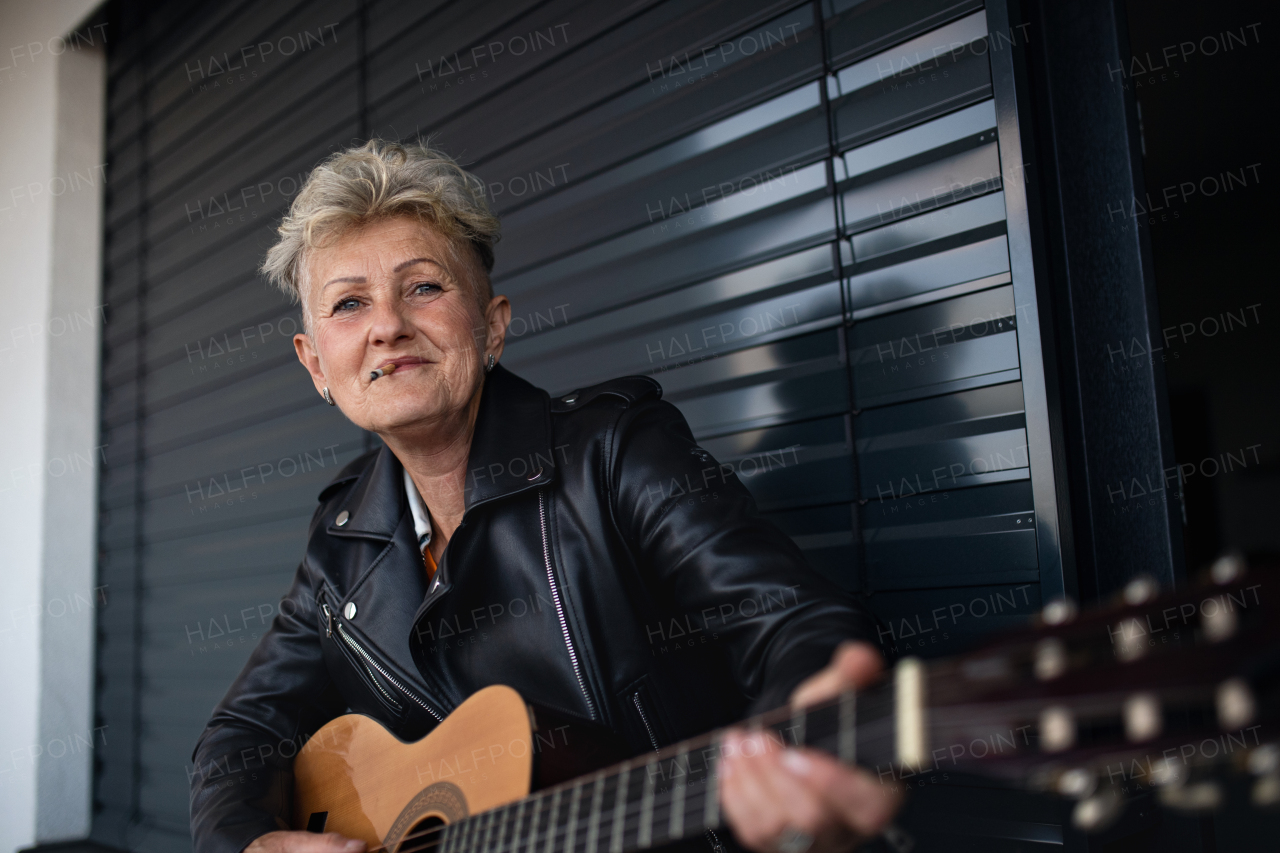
(392, 365)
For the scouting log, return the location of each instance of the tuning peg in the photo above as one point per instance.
(1057, 729)
(1130, 640)
(1077, 783)
(1140, 590)
(1049, 659)
(1235, 704)
(1060, 611)
(1168, 773)
(1098, 811)
(1193, 797)
(1266, 791)
(1142, 717)
(1220, 623)
(1227, 569)
(1264, 760)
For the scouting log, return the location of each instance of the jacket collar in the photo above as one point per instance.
(511, 452)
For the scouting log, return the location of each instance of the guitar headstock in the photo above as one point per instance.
(1153, 690)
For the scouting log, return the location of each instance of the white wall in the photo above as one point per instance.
(51, 184)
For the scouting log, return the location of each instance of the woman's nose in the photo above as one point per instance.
(389, 324)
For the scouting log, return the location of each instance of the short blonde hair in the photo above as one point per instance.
(383, 180)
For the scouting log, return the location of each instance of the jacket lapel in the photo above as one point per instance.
(375, 504)
(511, 449)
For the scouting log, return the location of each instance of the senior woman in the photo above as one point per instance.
(503, 537)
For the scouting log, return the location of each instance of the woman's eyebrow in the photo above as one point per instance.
(351, 279)
(359, 279)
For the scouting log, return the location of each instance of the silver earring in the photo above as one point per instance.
(328, 399)
(488, 365)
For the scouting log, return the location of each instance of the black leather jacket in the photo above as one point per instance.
(606, 567)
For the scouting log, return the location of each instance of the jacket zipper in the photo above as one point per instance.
(644, 718)
(370, 661)
(555, 597)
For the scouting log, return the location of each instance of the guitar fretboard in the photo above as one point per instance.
(671, 795)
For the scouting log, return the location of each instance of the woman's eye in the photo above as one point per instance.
(345, 305)
(426, 288)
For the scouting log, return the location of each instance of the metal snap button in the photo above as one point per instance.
(569, 399)
(535, 475)
(350, 610)
(342, 519)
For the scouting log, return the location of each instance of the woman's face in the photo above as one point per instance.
(393, 292)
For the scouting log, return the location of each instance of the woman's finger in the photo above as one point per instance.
(800, 808)
(764, 801)
(858, 799)
(854, 664)
(746, 797)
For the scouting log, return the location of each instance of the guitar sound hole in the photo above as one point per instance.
(422, 837)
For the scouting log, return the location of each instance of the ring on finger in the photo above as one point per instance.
(793, 840)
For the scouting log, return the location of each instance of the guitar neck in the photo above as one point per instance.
(672, 794)
(1052, 706)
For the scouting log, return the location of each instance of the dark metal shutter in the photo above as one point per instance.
(216, 445)
(792, 215)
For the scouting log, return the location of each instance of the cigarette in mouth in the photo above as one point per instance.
(382, 371)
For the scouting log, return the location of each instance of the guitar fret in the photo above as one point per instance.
(620, 810)
(645, 836)
(488, 829)
(468, 827)
(675, 826)
(533, 829)
(593, 823)
(571, 828)
(551, 821)
(711, 806)
(848, 741)
(505, 822)
(515, 829)
(463, 828)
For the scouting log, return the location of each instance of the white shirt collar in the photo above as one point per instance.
(421, 518)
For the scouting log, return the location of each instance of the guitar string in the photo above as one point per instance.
(820, 726)
(816, 726)
(940, 677)
(695, 794)
(819, 731)
(879, 694)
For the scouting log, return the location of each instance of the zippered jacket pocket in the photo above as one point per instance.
(392, 693)
(641, 706)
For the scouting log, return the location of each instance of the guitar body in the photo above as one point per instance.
(356, 778)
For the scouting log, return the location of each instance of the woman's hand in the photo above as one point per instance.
(781, 800)
(304, 842)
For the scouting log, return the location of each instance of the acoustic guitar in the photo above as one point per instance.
(1144, 684)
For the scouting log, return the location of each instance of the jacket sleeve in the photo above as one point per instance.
(698, 533)
(242, 783)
